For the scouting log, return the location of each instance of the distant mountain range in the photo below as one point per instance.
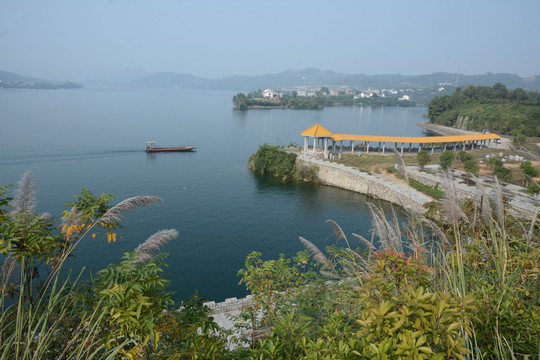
(318, 78)
(313, 78)
(12, 80)
(12, 77)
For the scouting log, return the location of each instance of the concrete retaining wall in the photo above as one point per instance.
(519, 206)
(345, 177)
(230, 304)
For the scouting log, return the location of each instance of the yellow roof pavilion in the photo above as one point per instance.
(317, 131)
(415, 140)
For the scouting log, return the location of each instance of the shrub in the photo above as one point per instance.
(494, 162)
(528, 169)
(463, 156)
(502, 173)
(446, 159)
(271, 160)
(432, 191)
(423, 158)
(471, 166)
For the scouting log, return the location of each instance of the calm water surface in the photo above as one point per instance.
(94, 138)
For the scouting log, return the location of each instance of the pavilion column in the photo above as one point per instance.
(352, 146)
(454, 147)
(432, 148)
(379, 148)
(305, 145)
(410, 145)
(314, 143)
(383, 147)
(367, 147)
(401, 149)
(419, 147)
(325, 153)
(340, 147)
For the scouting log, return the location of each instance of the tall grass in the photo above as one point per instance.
(58, 317)
(475, 249)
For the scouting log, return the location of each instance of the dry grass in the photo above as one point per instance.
(373, 164)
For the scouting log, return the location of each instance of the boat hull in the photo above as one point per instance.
(172, 149)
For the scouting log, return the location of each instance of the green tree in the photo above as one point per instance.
(533, 189)
(519, 95)
(519, 140)
(464, 156)
(529, 171)
(500, 91)
(423, 158)
(240, 101)
(446, 158)
(494, 162)
(502, 173)
(471, 167)
(271, 160)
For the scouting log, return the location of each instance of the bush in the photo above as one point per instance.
(502, 173)
(471, 166)
(432, 191)
(528, 169)
(400, 318)
(463, 156)
(494, 162)
(446, 159)
(271, 160)
(423, 158)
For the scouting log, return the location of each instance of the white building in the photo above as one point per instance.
(268, 94)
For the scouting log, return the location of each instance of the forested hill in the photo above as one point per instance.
(496, 109)
(11, 80)
(319, 78)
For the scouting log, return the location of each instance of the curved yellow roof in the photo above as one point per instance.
(317, 131)
(415, 140)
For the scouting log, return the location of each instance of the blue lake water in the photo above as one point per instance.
(94, 138)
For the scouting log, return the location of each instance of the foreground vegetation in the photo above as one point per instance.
(274, 161)
(494, 108)
(461, 282)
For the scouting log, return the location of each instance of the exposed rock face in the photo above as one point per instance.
(462, 122)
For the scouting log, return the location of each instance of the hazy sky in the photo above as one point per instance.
(81, 40)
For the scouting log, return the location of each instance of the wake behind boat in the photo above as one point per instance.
(151, 147)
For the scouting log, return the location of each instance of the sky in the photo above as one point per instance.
(100, 39)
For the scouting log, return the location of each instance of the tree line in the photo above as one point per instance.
(495, 108)
(321, 99)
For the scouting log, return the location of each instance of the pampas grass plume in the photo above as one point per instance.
(147, 249)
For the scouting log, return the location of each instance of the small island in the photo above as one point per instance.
(318, 98)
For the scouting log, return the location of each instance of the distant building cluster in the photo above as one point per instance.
(270, 94)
